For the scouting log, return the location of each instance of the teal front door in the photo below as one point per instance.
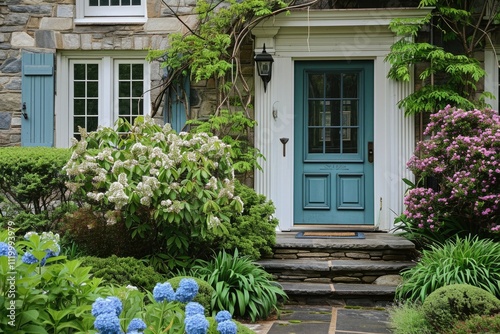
(333, 167)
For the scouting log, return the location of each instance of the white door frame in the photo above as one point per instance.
(332, 35)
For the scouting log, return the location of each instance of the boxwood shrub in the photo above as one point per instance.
(32, 178)
(456, 302)
(123, 271)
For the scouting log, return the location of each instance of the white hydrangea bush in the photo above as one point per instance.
(153, 178)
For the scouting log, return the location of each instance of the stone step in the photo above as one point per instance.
(334, 265)
(341, 294)
(333, 271)
(375, 246)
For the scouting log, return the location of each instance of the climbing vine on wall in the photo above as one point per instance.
(211, 50)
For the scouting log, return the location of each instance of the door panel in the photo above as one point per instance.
(333, 182)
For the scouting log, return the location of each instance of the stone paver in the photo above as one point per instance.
(309, 319)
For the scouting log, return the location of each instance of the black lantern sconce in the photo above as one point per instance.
(264, 63)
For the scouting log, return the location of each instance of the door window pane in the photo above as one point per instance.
(333, 115)
(333, 85)
(316, 86)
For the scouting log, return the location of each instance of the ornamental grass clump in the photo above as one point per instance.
(463, 157)
(170, 189)
(460, 261)
(241, 286)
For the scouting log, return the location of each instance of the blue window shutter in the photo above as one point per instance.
(175, 104)
(37, 87)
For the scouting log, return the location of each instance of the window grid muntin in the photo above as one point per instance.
(347, 130)
(130, 79)
(85, 93)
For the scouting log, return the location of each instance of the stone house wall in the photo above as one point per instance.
(49, 26)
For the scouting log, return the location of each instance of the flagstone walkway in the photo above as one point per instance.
(326, 320)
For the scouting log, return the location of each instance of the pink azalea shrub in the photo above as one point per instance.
(463, 155)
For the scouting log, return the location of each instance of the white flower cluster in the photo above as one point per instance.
(172, 206)
(146, 189)
(228, 189)
(117, 195)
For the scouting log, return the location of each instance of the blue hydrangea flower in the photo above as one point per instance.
(193, 308)
(227, 327)
(223, 316)
(136, 325)
(196, 324)
(117, 304)
(6, 250)
(107, 323)
(163, 291)
(108, 305)
(188, 288)
(29, 258)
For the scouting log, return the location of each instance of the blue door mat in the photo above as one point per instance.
(329, 235)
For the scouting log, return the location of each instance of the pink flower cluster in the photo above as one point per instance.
(463, 155)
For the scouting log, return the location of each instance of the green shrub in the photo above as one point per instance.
(460, 261)
(408, 318)
(241, 287)
(123, 271)
(477, 325)
(205, 291)
(31, 178)
(455, 302)
(254, 231)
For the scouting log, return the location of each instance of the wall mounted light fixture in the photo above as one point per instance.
(264, 62)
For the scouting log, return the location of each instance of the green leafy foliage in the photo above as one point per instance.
(123, 271)
(253, 232)
(459, 261)
(455, 302)
(234, 129)
(241, 286)
(205, 291)
(51, 298)
(31, 178)
(211, 50)
(449, 73)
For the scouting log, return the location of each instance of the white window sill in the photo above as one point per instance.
(110, 20)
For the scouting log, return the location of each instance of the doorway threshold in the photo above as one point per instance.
(334, 228)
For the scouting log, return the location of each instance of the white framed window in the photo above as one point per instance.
(97, 89)
(110, 11)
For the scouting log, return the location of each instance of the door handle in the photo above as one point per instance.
(370, 151)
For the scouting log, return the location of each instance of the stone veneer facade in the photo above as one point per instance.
(49, 26)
